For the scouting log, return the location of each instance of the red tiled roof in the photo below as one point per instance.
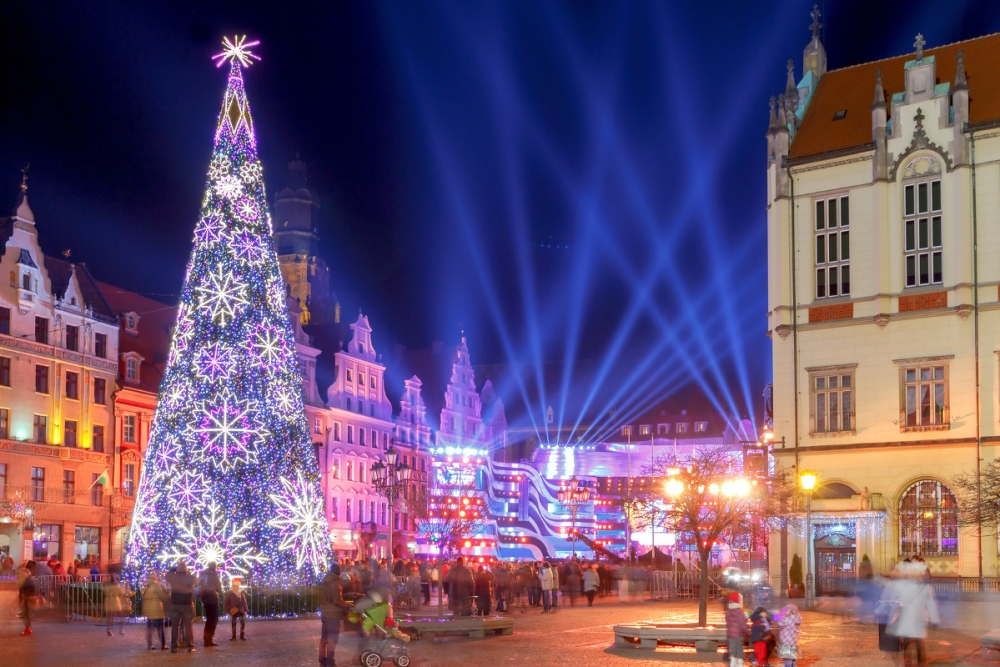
(853, 89)
(156, 321)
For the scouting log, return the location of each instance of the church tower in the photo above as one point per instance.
(306, 275)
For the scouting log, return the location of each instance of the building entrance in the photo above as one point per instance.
(836, 567)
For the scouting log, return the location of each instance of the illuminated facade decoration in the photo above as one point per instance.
(882, 328)
(58, 362)
(235, 420)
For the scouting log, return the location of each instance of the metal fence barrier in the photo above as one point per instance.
(665, 584)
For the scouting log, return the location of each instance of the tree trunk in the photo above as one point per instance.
(703, 598)
(440, 582)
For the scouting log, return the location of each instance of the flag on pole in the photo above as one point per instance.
(104, 478)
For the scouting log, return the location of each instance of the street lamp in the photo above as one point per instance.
(391, 479)
(574, 497)
(808, 482)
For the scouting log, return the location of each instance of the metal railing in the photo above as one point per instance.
(81, 598)
(57, 495)
(951, 587)
(665, 584)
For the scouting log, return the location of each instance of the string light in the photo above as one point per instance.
(230, 474)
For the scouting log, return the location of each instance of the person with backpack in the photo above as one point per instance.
(210, 593)
(760, 632)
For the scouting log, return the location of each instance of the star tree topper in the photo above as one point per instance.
(237, 50)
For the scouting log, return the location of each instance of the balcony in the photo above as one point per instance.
(54, 495)
(55, 451)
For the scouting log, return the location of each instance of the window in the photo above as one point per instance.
(26, 281)
(5, 371)
(5, 321)
(833, 247)
(682, 427)
(361, 380)
(350, 471)
(46, 542)
(98, 438)
(4, 423)
(361, 473)
(928, 520)
(350, 378)
(128, 483)
(925, 396)
(347, 510)
(3, 480)
(72, 338)
(922, 233)
(72, 384)
(371, 410)
(87, 542)
(69, 433)
(395, 520)
(96, 490)
(42, 330)
(333, 508)
(350, 434)
(336, 431)
(41, 428)
(700, 427)
(348, 402)
(101, 345)
(128, 428)
(132, 369)
(644, 429)
(69, 486)
(833, 400)
(42, 379)
(372, 381)
(662, 429)
(361, 510)
(361, 437)
(385, 441)
(626, 431)
(361, 407)
(37, 484)
(317, 427)
(382, 522)
(371, 511)
(100, 390)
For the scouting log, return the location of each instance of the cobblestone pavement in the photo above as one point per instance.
(578, 635)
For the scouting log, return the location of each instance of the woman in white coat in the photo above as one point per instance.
(545, 574)
(917, 609)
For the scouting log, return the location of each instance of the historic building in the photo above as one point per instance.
(296, 238)
(883, 184)
(58, 364)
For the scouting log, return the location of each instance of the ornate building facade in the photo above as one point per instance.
(883, 306)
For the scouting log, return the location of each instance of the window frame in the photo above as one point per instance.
(101, 345)
(100, 391)
(43, 422)
(41, 379)
(913, 232)
(920, 516)
(932, 363)
(822, 235)
(72, 338)
(73, 388)
(839, 372)
(97, 444)
(67, 431)
(129, 435)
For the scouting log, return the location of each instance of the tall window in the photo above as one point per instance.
(87, 542)
(350, 471)
(69, 433)
(832, 400)
(132, 369)
(336, 431)
(96, 490)
(925, 396)
(928, 520)
(382, 522)
(5, 371)
(361, 436)
(347, 510)
(72, 338)
(333, 507)
(100, 390)
(42, 379)
(101, 345)
(922, 233)
(833, 247)
(41, 330)
(371, 511)
(350, 434)
(46, 541)
(37, 484)
(41, 429)
(128, 428)
(3, 480)
(317, 427)
(69, 486)
(361, 510)
(98, 438)
(128, 483)
(5, 321)
(4, 423)
(72, 384)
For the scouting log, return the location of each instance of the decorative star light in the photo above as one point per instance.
(248, 210)
(166, 454)
(187, 490)
(220, 166)
(211, 538)
(210, 230)
(237, 50)
(269, 346)
(248, 247)
(224, 430)
(285, 400)
(229, 187)
(215, 362)
(300, 519)
(143, 517)
(173, 396)
(222, 295)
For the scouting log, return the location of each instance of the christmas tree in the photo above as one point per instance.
(230, 475)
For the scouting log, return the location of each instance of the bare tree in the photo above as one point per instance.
(979, 499)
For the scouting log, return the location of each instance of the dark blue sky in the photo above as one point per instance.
(452, 143)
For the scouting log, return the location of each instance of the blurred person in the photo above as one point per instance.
(27, 594)
(485, 581)
(760, 632)
(116, 603)
(236, 605)
(461, 585)
(153, 598)
(789, 623)
(210, 593)
(332, 608)
(181, 583)
(545, 576)
(574, 580)
(917, 609)
(591, 583)
(736, 629)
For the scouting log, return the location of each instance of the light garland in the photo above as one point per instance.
(230, 474)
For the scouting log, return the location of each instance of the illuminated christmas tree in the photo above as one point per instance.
(230, 474)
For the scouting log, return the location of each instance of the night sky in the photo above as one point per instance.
(576, 180)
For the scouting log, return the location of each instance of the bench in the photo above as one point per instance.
(991, 641)
(470, 626)
(650, 635)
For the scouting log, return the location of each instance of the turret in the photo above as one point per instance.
(791, 100)
(781, 141)
(879, 118)
(960, 106)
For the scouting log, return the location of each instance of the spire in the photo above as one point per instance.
(814, 56)
(919, 46)
(772, 122)
(790, 87)
(815, 25)
(21, 208)
(879, 92)
(960, 82)
(782, 117)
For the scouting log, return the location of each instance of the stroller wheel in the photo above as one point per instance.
(403, 660)
(372, 659)
(364, 656)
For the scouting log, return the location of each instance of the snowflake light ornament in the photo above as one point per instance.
(215, 362)
(229, 187)
(211, 230)
(222, 295)
(224, 432)
(143, 518)
(211, 538)
(247, 247)
(248, 211)
(269, 346)
(299, 517)
(285, 400)
(187, 490)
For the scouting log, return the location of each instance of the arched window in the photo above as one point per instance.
(928, 520)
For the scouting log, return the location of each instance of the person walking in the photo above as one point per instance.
(917, 609)
(181, 583)
(574, 580)
(153, 598)
(591, 582)
(736, 629)
(789, 624)
(485, 581)
(557, 581)
(760, 632)
(116, 603)
(236, 604)
(210, 592)
(27, 594)
(332, 607)
(545, 576)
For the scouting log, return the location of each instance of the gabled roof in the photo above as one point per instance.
(156, 323)
(853, 89)
(59, 274)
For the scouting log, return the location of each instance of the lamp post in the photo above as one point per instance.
(391, 480)
(808, 482)
(574, 497)
(628, 496)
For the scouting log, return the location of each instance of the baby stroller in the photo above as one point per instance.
(388, 644)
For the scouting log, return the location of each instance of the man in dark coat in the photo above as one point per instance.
(210, 592)
(484, 589)
(332, 608)
(460, 586)
(181, 584)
